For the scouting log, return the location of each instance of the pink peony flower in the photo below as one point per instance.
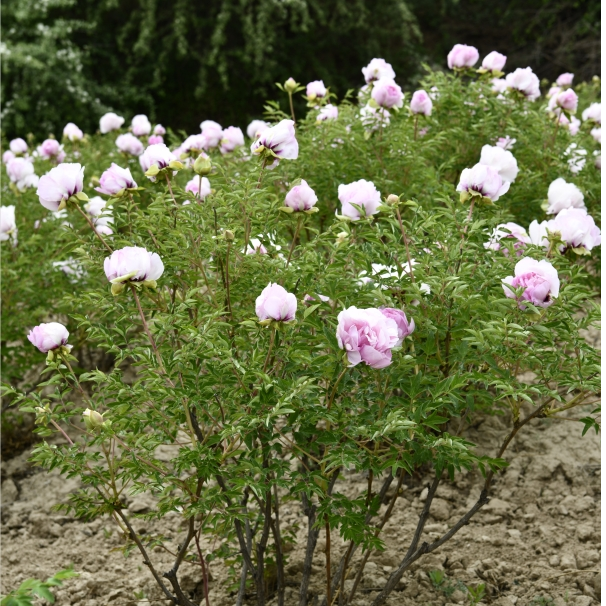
(255, 128)
(377, 69)
(213, 133)
(280, 140)
(506, 142)
(72, 132)
(275, 303)
(115, 180)
(18, 146)
(494, 61)
(153, 139)
(232, 138)
(328, 112)
(158, 155)
(159, 130)
(129, 144)
(301, 197)
(554, 90)
(525, 81)
(367, 335)
(21, 172)
(361, 193)
(462, 55)
(49, 336)
(484, 180)
(134, 264)
(593, 113)
(567, 100)
(8, 225)
(109, 122)
(508, 231)
(387, 93)
(405, 327)
(574, 126)
(194, 186)
(255, 246)
(194, 144)
(596, 133)
(539, 280)
(421, 103)
(501, 160)
(97, 208)
(565, 79)
(576, 228)
(561, 195)
(140, 125)
(50, 149)
(60, 184)
(537, 233)
(499, 85)
(7, 156)
(315, 90)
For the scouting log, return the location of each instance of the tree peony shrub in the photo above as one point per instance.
(271, 353)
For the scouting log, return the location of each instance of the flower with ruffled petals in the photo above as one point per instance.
(367, 335)
(21, 172)
(255, 128)
(18, 146)
(421, 103)
(363, 194)
(377, 69)
(508, 231)
(115, 180)
(565, 79)
(141, 125)
(494, 62)
(132, 264)
(232, 138)
(501, 160)
(483, 181)
(49, 336)
(387, 94)
(593, 113)
(278, 141)
(567, 100)
(59, 185)
(405, 328)
(315, 90)
(72, 132)
(159, 130)
(561, 195)
(109, 122)
(50, 149)
(129, 144)
(328, 112)
(155, 158)
(213, 132)
(301, 197)
(539, 280)
(8, 225)
(577, 230)
(462, 56)
(276, 304)
(525, 81)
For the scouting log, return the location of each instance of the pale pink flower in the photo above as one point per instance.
(538, 233)
(315, 90)
(194, 186)
(129, 144)
(593, 113)
(276, 303)
(367, 335)
(280, 140)
(462, 55)
(510, 231)
(49, 336)
(499, 85)
(539, 280)
(140, 125)
(7, 156)
(60, 184)
(421, 103)
(484, 180)
(101, 215)
(255, 128)
(501, 160)
(387, 93)
(561, 195)
(213, 133)
(50, 149)
(525, 81)
(8, 225)
(405, 328)
(232, 138)
(109, 122)
(567, 100)
(377, 69)
(596, 133)
(565, 79)
(506, 142)
(18, 146)
(159, 130)
(156, 155)
(135, 262)
(301, 197)
(72, 132)
(328, 112)
(115, 180)
(21, 172)
(494, 61)
(362, 193)
(576, 228)
(153, 139)
(255, 247)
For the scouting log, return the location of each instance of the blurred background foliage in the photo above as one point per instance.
(181, 62)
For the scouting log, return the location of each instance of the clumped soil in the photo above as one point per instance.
(537, 541)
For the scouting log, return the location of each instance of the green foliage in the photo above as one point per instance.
(31, 589)
(249, 411)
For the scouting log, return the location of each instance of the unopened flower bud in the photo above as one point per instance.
(93, 419)
(290, 85)
(202, 165)
(392, 199)
(229, 235)
(342, 237)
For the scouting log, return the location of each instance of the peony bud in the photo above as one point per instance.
(159, 130)
(301, 197)
(59, 185)
(275, 304)
(421, 103)
(290, 86)
(392, 199)
(93, 419)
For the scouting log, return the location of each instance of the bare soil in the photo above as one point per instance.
(537, 541)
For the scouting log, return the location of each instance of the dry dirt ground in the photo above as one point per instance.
(537, 542)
